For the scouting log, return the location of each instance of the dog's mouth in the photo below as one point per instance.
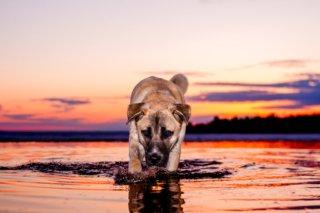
(153, 162)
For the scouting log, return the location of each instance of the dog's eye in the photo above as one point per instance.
(146, 132)
(166, 133)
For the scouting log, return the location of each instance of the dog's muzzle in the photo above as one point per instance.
(156, 158)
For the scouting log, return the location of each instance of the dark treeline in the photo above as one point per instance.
(270, 124)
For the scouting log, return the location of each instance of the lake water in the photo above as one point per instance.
(266, 176)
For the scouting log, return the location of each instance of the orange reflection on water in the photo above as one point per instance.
(267, 176)
(256, 144)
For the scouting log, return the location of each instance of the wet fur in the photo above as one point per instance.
(157, 103)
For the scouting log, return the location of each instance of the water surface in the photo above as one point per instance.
(277, 176)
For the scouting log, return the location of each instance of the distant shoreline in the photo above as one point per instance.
(299, 124)
(122, 136)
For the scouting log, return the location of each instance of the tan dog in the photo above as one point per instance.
(157, 116)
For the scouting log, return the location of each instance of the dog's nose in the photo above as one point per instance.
(154, 158)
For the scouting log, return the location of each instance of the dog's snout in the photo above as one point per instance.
(155, 158)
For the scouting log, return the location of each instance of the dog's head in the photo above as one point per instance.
(159, 126)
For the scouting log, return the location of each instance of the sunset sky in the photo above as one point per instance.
(71, 65)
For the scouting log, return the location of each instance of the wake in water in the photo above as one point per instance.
(188, 169)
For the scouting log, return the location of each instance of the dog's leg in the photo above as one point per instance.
(174, 156)
(134, 154)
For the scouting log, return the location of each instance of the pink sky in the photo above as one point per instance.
(72, 64)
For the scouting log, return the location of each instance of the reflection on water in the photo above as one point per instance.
(277, 177)
(164, 196)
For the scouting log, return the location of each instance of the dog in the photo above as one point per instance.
(157, 118)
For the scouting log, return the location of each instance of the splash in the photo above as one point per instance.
(188, 169)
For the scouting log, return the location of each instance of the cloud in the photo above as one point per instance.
(35, 119)
(307, 93)
(19, 116)
(293, 106)
(312, 82)
(284, 63)
(53, 123)
(1, 107)
(250, 95)
(288, 63)
(62, 107)
(172, 72)
(68, 101)
(66, 104)
(38, 122)
(307, 75)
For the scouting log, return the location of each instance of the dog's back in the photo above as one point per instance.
(160, 88)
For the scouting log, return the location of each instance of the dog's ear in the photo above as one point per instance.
(182, 112)
(135, 111)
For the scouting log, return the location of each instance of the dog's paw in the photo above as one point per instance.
(150, 175)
